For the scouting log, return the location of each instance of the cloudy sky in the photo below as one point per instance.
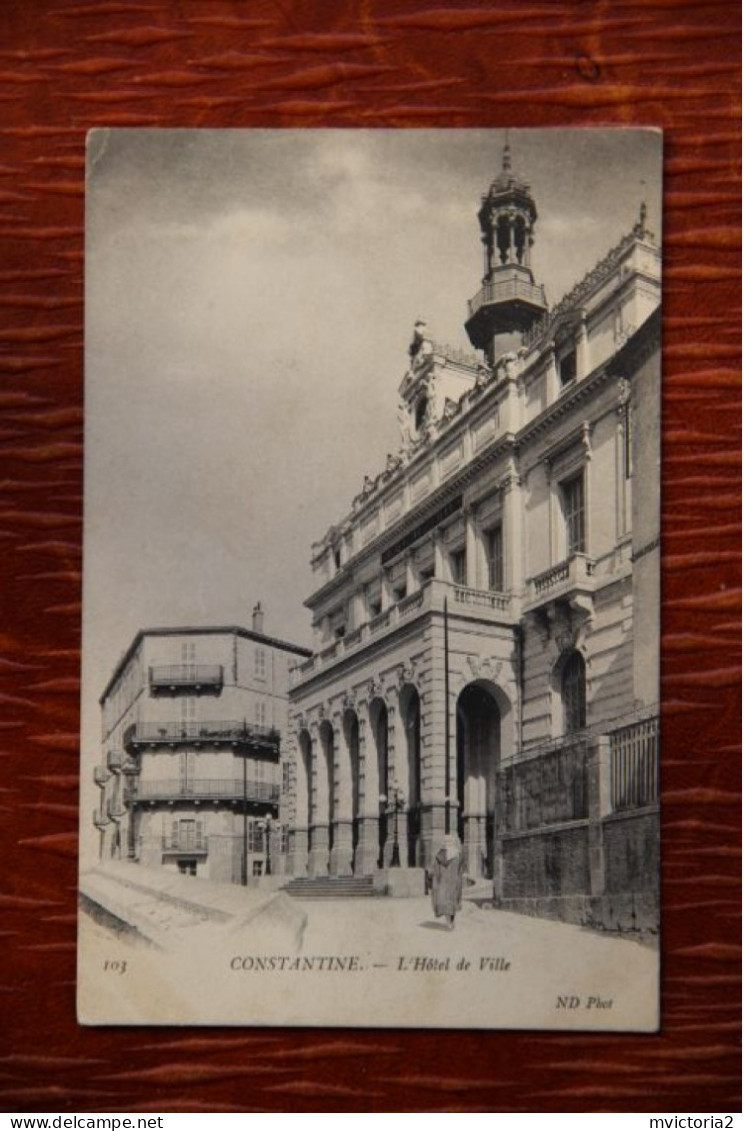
(250, 300)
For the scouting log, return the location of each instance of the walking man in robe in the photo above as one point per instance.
(446, 876)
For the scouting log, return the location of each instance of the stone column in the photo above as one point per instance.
(342, 851)
(318, 855)
(583, 360)
(393, 776)
(513, 540)
(474, 846)
(553, 384)
(385, 594)
(368, 821)
(512, 246)
(357, 608)
(298, 832)
(471, 548)
(411, 578)
(436, 538)
(298, 839)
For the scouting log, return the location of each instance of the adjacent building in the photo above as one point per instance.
(486, 614)
(195, 769)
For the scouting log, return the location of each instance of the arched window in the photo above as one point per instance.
(573, 693)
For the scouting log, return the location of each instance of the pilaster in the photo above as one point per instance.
(471, 548)
(583, 360)
(297, 850)
(340, 862)
(553, 385)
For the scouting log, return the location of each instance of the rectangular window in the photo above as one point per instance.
(568, 369)
(495, 552)
(572, 492)
(260, 663)
(458, 567)
(187, 835)
(260, 712)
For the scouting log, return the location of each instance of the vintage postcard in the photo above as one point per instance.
(371, 598)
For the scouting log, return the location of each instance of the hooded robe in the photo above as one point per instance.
(446, 874)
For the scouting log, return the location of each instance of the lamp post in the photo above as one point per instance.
(265, 827)
(395, 802)
(244, 858)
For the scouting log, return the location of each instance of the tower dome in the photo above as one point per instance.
(509, 301)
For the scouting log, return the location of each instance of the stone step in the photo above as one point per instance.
(330, 887)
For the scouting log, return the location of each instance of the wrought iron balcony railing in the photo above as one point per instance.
(173, 677)
(208, 789)
(222, 732)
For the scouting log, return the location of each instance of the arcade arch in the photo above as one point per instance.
(481, 711)
(410, 715)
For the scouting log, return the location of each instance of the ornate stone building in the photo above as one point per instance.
(486, 614)
(195, 762)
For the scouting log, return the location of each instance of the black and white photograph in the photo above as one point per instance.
(370, 693)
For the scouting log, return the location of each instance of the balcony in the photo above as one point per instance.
(507, 290)
(571, 580)
(170, 678)
(204, 789)
(475, 604)
(198, 733)
(186, 844)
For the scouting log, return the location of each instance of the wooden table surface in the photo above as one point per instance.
(68, 65)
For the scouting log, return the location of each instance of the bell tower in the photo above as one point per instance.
(509, 301)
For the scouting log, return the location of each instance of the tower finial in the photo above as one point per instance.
(640, 227)
(506, 157)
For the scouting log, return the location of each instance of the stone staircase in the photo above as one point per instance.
(330, 887)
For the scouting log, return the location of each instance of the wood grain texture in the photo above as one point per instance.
(66, 66)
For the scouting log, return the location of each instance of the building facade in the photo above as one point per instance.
(486, 614)
(195, 770)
